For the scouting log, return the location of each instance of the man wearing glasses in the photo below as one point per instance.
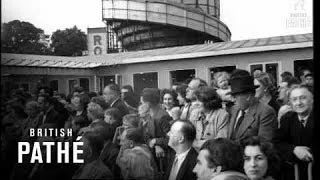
(295, 136)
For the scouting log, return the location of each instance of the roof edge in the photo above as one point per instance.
(220, 52)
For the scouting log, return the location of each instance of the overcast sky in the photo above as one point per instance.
(246, 19)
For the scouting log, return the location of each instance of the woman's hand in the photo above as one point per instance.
(159, 151)
(152, 143)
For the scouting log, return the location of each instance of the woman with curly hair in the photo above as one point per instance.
(261, 161)
(170, 103)
(211, 120)
(266, 91)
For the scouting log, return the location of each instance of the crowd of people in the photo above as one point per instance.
(241, 126)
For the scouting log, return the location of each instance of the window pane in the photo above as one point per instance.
(84, 83)
(108, 80)
(182, 76)
(255, 67)
(272, 69)
(54, 85)
(72, 85)
(145, 80)
(119, 80)
(228, 69)
(302, 64)
(25, 87)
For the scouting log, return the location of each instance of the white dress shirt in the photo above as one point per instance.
(181, 157)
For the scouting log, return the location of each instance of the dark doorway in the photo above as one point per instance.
(108, 80)
(145, 80)
(302, 64)
(182, 76)
(84, 83)
(54, 85)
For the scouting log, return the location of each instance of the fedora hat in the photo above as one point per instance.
(241, 84)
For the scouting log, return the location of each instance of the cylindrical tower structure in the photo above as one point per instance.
(150, 24)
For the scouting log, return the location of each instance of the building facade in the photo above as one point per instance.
(160, 68)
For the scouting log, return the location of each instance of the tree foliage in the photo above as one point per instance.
(22, 38)
(69, 42)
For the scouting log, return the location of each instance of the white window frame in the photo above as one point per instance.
(264, 67)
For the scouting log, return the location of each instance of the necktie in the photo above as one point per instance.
(240, 119)
(185, 112)
(303, 121)
(204, 123)
(174, 169)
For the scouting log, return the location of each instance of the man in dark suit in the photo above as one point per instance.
(249, 117)
(48, 113)
(183, 159)
(111, 94)
(294, 138)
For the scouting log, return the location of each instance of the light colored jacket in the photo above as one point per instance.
(210, 126)
(230, 175)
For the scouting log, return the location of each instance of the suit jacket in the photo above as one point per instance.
(63, 113)
(260, 120)
(185, 171)
(120, 105)
(109, 155)
(290, 134)
(52, 117)
(93, 170)
(162, 122)
(186, 114)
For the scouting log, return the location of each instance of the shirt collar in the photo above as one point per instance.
(240, 113)
(183, 155)
(305, 118)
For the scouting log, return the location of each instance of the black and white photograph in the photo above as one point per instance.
(157, 90)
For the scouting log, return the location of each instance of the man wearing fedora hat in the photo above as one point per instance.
(249, 117)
